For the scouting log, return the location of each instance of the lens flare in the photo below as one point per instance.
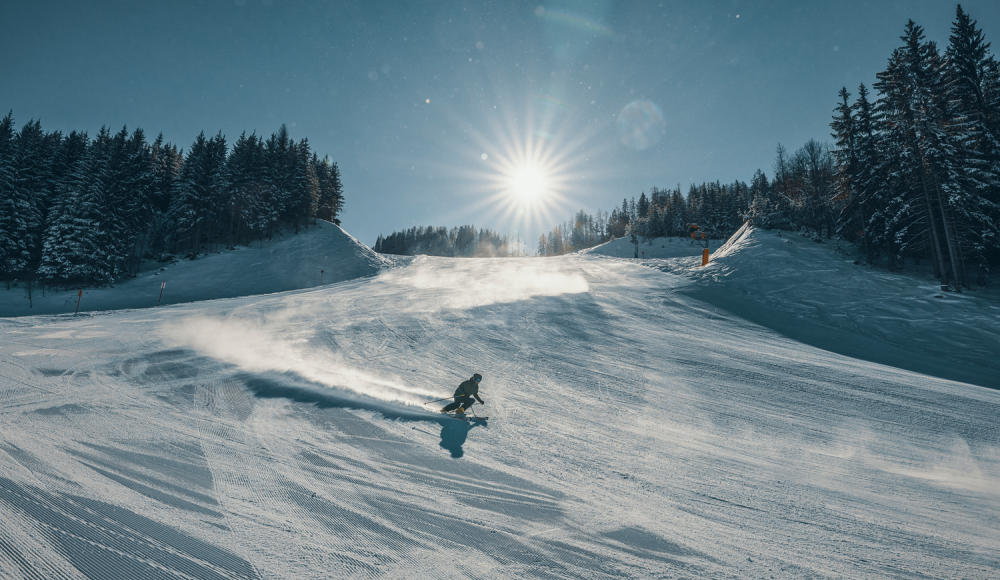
(641, 124)
(574, 21)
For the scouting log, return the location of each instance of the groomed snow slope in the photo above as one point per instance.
(289, 262)
(814, 293)
(634, 431)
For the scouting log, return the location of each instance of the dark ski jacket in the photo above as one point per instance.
(469, 388)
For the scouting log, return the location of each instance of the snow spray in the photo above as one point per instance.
(485, 283)
(278, 345)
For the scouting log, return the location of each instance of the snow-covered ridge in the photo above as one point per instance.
(289, 262)
(743, 238)
(818, 293)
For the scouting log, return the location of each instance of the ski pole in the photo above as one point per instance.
(438, 400)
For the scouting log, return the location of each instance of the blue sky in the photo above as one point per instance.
(501, 114)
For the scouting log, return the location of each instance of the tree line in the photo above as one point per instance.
(719, 210)
(76, 210)
(918, 169)
(464, 241)
(914, 171)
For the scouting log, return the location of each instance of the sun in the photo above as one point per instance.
(528, 182)
(529, 167)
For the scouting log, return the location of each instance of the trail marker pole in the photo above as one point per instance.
(321, 277)
(79, 296)
(704, 256)
(162, 284)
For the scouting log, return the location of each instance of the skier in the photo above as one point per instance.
(464, 396)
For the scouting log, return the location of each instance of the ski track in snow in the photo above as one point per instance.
(634, 431)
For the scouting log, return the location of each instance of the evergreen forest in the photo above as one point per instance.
(80, 210)
(718, 209)
(464, 241)
(913, 172)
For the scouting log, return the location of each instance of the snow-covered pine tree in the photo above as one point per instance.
(740, 206)
(852, 218)
(69, 167)
(239, 177)
(303, 186)
(217, 205)
(68, 152)
(33, 153)
(280, 169)
(252, 191)
(971, 83)
(677, 219)
(128, 199)
(188, 198)
(77, 241)
(876, 180)
(465, 241)
(971, 78)
(654, 217)
(138, 210)
(328, 188)
(642, 208)
(731, 209)
(12, 227)
(332, 198)
(711, 220)
(166, 165)
(116, 194)
(166, 162)
(24, 160)
(578, 233)
(95, 259)
(940, 144)
(695, 197)
(759, 212)
(198, 191)
(915, 116)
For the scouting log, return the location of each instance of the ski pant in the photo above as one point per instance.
(464, 401)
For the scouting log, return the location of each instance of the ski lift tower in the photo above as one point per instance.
(695, 239)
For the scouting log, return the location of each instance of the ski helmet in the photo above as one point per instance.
(478, 377)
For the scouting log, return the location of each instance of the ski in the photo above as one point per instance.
(464, 418)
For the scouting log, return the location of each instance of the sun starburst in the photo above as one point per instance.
(529, 164)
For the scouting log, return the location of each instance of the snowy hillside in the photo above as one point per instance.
(816, 294)
(290, 262)
(635, 431)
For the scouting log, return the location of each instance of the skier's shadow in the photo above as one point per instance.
(453, 436)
